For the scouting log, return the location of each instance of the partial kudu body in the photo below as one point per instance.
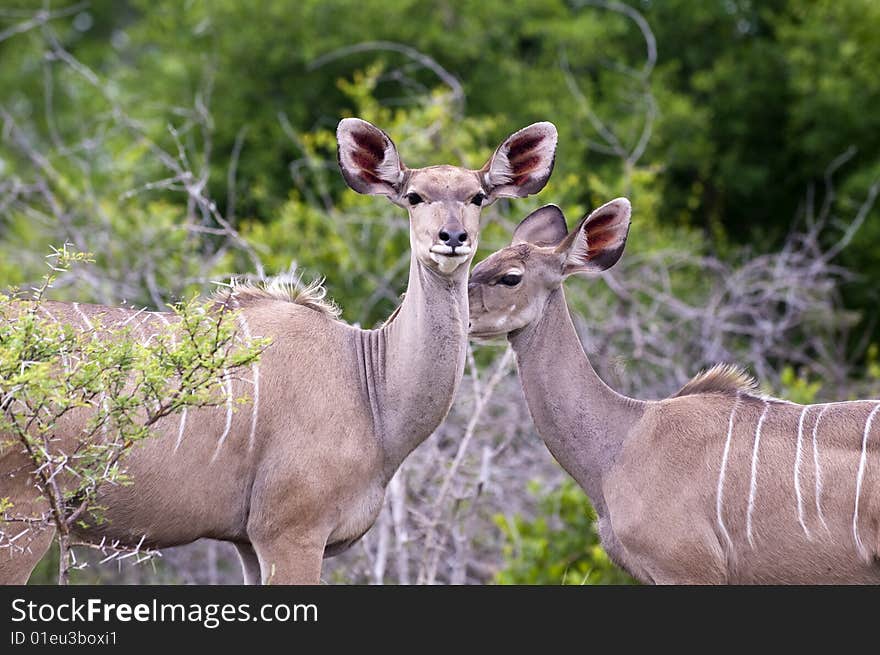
(299, 472)
(717, 484)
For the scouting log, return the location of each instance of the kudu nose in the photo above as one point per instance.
(453, 236)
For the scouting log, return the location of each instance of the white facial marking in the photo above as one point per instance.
(753, 484)
(797, 471)
(719, 496)
(443, 249)
(817, 468)
(861, 474)
(448, 263)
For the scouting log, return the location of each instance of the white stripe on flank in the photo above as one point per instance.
(132, 317)
(859, 478)
(140, 327)
(48, 313)
(818, 469)
(103, 396)
(65, 360)
(83, 315)
(180, 429)
(797, 471)
(719, 496)
(256, 373)
(166, 323)
(228, 413)
(753, 485)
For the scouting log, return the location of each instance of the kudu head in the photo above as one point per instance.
(444, 202)
(509, 289)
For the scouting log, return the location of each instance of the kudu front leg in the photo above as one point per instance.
(292, 560)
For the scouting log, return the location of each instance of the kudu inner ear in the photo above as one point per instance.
(522, 164)
(598, 241)
(368, 158)
(543, 227)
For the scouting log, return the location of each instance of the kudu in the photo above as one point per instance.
(299, 473)
(717, 484)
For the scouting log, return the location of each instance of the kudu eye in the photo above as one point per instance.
(510, 280)
(414, 198)
(478, 199)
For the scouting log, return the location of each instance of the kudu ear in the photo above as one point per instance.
(543, 227)
(522, 164)
(598, 241)
(368, 158)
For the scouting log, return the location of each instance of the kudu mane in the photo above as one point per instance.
(727, 379)
(312, 295)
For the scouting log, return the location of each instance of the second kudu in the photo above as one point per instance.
(717, 484)
(299, 473)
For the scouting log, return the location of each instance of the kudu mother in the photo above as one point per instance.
(300, 472)
(717, 484)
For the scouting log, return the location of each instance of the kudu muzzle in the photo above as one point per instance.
(453, 237)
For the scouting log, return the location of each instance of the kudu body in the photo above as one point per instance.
(717, 484)
(299, 472)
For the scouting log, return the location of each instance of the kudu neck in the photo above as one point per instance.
(422, 352)
(581, 419)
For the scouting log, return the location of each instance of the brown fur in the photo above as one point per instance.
(697, 488)
(298, 472)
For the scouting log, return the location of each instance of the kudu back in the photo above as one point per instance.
(299, 471)
(717, 484)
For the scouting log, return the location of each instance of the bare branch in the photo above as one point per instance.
(428, 62)
(39, 19)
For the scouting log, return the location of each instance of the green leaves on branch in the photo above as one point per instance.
(560, 546)
(77, 394)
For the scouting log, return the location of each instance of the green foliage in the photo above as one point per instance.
(561, 546)
(52, 371)
(753, 101)
(873, 360)
(798, 388)
(46, 571)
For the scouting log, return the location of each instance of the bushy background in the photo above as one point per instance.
(182, 142)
